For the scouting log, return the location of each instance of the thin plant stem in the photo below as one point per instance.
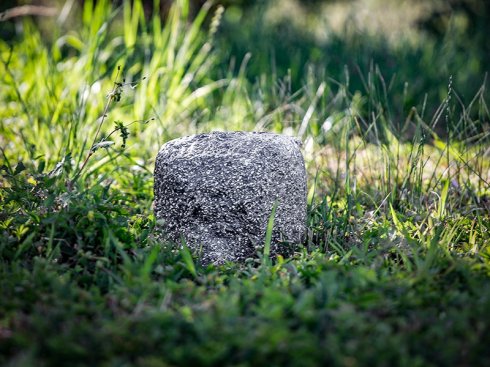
(104, 115)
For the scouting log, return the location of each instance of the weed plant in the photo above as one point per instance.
(394, 270)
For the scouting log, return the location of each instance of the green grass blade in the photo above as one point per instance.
(270, 228)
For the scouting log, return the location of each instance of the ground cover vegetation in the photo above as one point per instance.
(396, 264)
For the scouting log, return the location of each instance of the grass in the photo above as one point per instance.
(394, 270)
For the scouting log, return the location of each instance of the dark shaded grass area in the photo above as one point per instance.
(309, 311)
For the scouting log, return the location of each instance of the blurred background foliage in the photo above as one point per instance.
(418, 42)
(414, 46)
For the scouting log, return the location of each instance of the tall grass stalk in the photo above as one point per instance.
(57, 101)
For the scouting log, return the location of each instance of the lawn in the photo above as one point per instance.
(395, 269)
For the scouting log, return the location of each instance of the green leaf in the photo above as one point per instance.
(19, 168)
(268, 233)
(187, 258)
(442, 201)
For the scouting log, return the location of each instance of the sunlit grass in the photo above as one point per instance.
(394, 268)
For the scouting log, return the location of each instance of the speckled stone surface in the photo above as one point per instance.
(217, 191)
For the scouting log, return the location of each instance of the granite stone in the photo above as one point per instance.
(216, 191)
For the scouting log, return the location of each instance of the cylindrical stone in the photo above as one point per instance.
(216, 191)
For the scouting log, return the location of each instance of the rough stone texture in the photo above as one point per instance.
(217, 190)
